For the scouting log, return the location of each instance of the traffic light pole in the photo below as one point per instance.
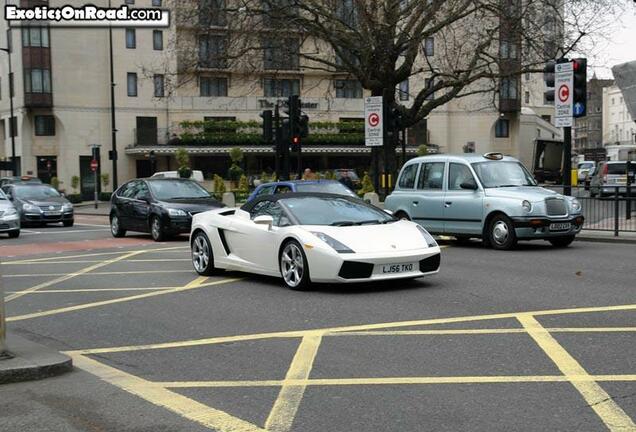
(567, 161)
(277, 146)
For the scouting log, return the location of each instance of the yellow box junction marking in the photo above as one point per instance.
(608, 410)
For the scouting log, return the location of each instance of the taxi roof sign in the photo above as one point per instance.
(494, 156)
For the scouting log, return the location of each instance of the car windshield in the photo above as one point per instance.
(2, 195)
(36, 192)
(352, 175)
(178, 189)
(330, 187)
(586, 165)
(496, 174)
(334, 211)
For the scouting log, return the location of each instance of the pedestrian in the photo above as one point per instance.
(309, 174)
(346, 180)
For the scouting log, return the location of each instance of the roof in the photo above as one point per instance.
(250, 204)
(468, 157)
(299, 182)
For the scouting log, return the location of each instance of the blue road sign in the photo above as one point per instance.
(579, 109)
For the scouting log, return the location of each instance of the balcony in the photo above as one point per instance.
(38, 100)
(150, 136)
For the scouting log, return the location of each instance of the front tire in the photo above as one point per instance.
(402, 216)
(561, 242)
(501, 233)
(14, 234)
(294, 267)
(156, 230)
(202, 256)
(115, 227)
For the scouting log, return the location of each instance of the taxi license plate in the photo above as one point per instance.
(563, 226)
(396, 268)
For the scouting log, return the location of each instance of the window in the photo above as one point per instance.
(156, 3)
(407, 179)
(527, 76)
(429, 46)
(458, 174)
(348, 89)
(276, 13)
(37, 81)
(508, 50)
(351, 57)
(281, 54)
(158, 81)
(132, 84)
(502, 127)
(44, 125)
(157, 40)
(212, 13)
(131, 38)
(35, 37)
(508, 88)
(130, 2)
(428, 85)
(431, 175)
(273, 209)
(281, 87)
(527, 97)
(211, 86)
(346, 12)
(212, 52)
(404, 90)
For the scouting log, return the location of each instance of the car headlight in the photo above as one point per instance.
(527, 206)
(67, 207)
(176, 212)
(10, 212)
(31, 208)
(576, 205)
(430, 241)
(333, 243)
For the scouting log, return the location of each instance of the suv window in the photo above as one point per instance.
(407, 179)
(431, 175)
(458, 174)
(142, 191)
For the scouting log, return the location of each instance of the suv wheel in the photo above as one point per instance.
(156, 230)
(501, 233)
(115, 226)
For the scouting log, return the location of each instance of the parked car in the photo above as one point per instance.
(314, 237)
(162, 207)
(19, 179)
(325, 186)
(9, 217)
(39, 204)
(492, 197)
(584, 169)
(196, 175)
(611, 176)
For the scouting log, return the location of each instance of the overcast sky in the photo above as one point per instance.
(620, 48)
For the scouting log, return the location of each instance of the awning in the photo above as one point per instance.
(223, 150)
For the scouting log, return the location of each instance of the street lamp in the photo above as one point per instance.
(11, 120)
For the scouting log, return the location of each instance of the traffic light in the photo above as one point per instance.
(303, 126)
(579, 99)
(548, 78)
(267, 117)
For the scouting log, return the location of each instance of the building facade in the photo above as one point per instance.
(588, 130)
(62, 105)
(619, 129)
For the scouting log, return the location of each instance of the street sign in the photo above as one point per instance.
(374, 128)
(94, 165)
(563, 82)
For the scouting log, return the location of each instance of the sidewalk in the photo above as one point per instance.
(31, 361)
(87, 208)
(607, 236)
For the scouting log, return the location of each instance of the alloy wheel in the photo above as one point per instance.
(200, 254)
(292, 265)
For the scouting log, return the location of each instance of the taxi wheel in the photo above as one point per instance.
(14, 234)
(501, 233)
(402, 216)
(562, 242)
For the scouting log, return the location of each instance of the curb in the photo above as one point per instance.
(31, 361)
(621, 240)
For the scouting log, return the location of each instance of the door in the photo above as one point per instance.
(88, 179)
(124, 203)
(141, 208)
(463, 208)
(147, 131)
(47, 168)
(428, 202)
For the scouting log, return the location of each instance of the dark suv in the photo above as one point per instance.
(160, 206)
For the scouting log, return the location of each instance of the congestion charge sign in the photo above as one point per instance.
(563, 82)
(374, 129)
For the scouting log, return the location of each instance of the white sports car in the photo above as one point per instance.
(315, 237)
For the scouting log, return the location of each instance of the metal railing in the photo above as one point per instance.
(612, 208)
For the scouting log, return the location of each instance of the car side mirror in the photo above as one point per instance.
(264, 220)
(470, 185)
(62, 194)
(10, 196)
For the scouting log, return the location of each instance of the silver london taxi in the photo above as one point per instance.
(492, 197)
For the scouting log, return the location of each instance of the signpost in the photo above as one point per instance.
(374, 131)
(94, 167)
(563, 82)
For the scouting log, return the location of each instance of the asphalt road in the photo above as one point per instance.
(534, 339)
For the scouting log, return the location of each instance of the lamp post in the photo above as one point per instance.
(3, 334)
(113, 152)
(11, 120)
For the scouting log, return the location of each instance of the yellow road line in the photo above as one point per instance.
(282, 415)
(71, 275)
(353, 328)
(88, 290)
(149, 260)
(84, 273)
(483, 331)
(601, 402)
(192, 285)
(157, 395)
(401, 381)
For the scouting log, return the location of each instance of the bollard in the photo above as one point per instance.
(228, 199)
(3, 325)
(372, 198)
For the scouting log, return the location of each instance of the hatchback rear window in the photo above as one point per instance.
(620, 168)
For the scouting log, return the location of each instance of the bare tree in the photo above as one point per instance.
(446, 49)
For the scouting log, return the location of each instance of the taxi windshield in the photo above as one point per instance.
(496, 174)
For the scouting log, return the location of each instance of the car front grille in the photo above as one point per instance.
(555, 207)
(4, 226)
(355, 270)
(54, 208)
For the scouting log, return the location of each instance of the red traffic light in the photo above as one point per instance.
(295, 140)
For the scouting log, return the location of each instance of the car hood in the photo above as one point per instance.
(194, 205)
(393, 237)
(5, 204)
(530, 193)
(47, 202)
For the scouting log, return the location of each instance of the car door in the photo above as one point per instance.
(428, 202)
(123, 204)
(140, 206)
(257, 244)
(463, 208)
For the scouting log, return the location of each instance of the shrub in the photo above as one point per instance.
(105, 180)
(219, 186)
(367, 185)
(235, 172)
(55, 182)
(236, 154)
(422, 150)
(75, 181)
(74, 198)
(244, 186)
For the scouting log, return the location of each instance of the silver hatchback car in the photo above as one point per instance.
(9, 217)
(492, 197)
